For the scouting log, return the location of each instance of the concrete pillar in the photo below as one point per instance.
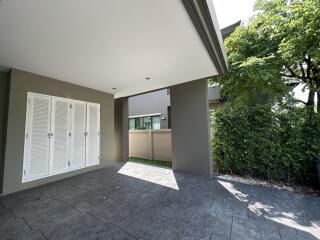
(191, 148)
(121, 129)
(4, 102)
(150, 138)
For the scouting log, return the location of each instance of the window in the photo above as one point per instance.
(132, 123)
(138, 122)
(147, 122)
(144, 123)
(156, 122)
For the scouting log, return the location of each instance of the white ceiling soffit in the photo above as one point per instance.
(105, 44)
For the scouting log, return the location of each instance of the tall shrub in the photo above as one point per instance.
(263, 142)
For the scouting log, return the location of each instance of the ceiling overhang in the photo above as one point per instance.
(122, 47)
(204, 19)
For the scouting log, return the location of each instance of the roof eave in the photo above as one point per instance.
(203, 16)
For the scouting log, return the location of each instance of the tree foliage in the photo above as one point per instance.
(279, 47)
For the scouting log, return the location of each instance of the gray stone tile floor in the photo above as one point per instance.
(138, 201)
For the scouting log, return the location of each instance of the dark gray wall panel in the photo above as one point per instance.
(191, 152)
(4, 93)
(121, 129)
(22, 82)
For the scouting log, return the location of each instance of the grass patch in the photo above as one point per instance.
(151, 162)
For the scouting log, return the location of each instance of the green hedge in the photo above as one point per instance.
(262, 142)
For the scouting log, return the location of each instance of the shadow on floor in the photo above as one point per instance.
(137, 201)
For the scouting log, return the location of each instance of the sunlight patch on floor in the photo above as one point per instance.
(229, 186)
(272, 212)
(154, 174)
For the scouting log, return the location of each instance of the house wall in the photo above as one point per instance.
(22, 82)
(4, 93)
(149, 103)
(214, 93)
(190, 133)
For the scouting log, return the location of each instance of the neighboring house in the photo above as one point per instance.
(150, 110)
(214, 97)
(70, 68)
(226, 32)
(153, 110)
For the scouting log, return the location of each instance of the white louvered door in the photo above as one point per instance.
(61, 135)
(36, 153)
(93, 134)
(78, 139)
(59, 139)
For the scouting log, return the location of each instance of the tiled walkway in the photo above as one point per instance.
(138, 201)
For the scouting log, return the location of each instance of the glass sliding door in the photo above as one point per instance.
(138, 124)
(132, 124)
(156, 122)
(147, 123)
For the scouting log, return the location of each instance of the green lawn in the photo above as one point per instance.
(151, 162)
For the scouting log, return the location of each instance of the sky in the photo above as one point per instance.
(231, 11)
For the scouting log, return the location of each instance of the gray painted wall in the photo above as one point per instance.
(149, 103)
(121, 126)
(4, 93)
(20, 83)
(191, 151)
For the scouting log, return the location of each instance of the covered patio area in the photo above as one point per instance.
(136, 201)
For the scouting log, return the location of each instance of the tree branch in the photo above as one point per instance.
(292, 76)
(302, 71)
(290, 70)
(308, 61)
(298, 100)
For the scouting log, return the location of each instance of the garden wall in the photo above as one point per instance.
(150, 144)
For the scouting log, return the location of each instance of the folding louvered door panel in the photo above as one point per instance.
(60, 139)
(36, 152)
(93, 134)
(61, 135)
(78, 139)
